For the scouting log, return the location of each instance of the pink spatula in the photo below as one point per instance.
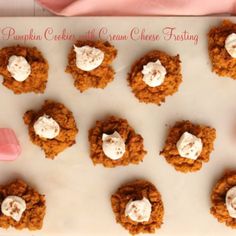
(10, 147)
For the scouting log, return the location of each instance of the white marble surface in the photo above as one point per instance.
(77, 193)
(22, 8)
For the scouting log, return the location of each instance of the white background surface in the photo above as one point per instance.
(22, 8)
(77, 193)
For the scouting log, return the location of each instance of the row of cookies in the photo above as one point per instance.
(152, 78)
(137, 205)
(113, 142)
(25, 70)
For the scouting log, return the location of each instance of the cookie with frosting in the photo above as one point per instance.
(24, 69)
(113, 142)
(90, 64)
(155, 76)
(21, 206)
(138, 207)
(188, 146)
(223, 199)
(53, 128)
(222, 49)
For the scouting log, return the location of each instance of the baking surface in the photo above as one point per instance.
(22, 8)
(77, 193)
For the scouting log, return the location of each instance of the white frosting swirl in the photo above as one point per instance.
(139, 210)
(189, 146)
(46, 127)
(88, 58)
(19, 68)
(230, 201)
(14, 207)
(230, 45)
(154, 73)
(113, 145)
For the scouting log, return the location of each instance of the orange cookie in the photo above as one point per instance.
(138, 207)
(114, 133)
(155, 76)
(24, 69)
(52, 128)
(18, 196)
(221, 42)
(89, 63)
(221, 198)
(195, 142)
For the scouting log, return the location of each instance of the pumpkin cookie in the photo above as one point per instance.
(138, 207)
(89, 63)
(155, 76)
(24, 69)
(21, 206)
(188, 146)
(223, 199)
(113, 142)
(52, 128)
(222, 49)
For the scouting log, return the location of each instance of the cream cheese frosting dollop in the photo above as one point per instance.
(46, 127)
(154, 73)
(230, 45)
(139, 210)
(230, 201)
(189, 146)
(19, 68)
(113, 145)
(14, 207)
(88, 58)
